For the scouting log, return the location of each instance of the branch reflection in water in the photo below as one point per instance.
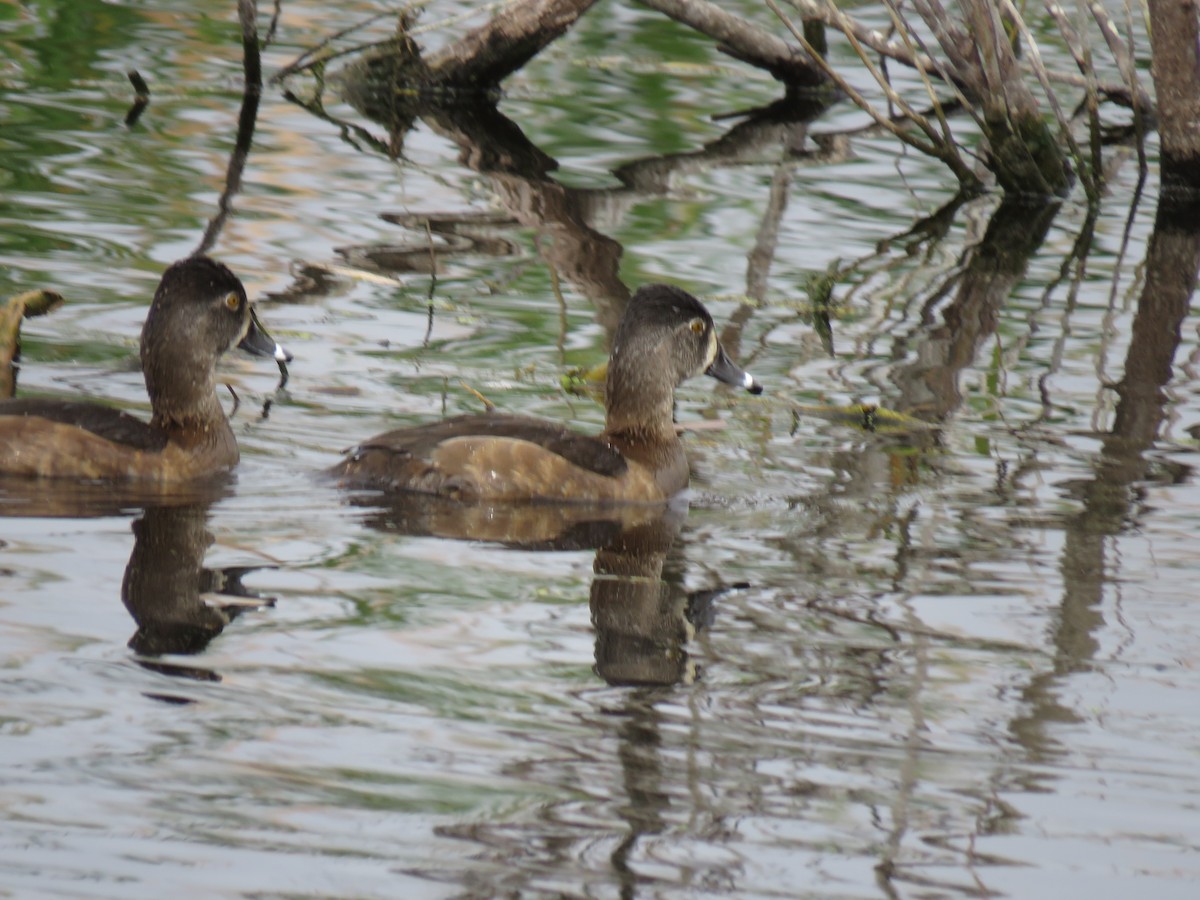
(644, 620)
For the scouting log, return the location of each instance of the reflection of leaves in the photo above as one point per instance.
(585, 382)
(819, 285)
(819, 288)
(866, 416)
(650, 66)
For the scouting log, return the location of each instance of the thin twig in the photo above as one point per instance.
(455, 20)
(432, 282)
(908, 35)
(348, 130)
(1082, 55)
(849, 89)
(297, 66)
(877, 41)
(303, 60)
(488, 404)
(306, 59)
(274, 24)
(1121, 53)
(237, 401)
(1139, 111)
(937, 148)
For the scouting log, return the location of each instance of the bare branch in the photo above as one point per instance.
(1122, 54)
(869, 37)
(743, 40)
(908, 35)
(1035, 59)
(306, 59)
(938, 148)
(487, 55)
(877, 41)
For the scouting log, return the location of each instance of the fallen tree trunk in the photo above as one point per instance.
(392, 76)
(486, 56)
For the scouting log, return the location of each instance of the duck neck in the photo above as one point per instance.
(640, 400)
(183, 396)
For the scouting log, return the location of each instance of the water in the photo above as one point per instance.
(947, 659)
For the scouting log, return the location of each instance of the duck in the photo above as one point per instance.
(665, 337)
(199, 311)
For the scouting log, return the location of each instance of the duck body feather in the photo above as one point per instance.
(493, 457)
(55, 438)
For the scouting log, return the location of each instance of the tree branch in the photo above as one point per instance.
(487, 55)
(744, 41)
(877, 41)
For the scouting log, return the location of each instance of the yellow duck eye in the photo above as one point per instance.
(232, 302)
(697, 326)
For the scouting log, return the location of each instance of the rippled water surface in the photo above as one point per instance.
(957, 655)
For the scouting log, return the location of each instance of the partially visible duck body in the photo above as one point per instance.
(199, 311)
(665, 337)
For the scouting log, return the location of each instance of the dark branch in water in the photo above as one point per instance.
(270, 35)
(237, 401)
(351, 133)
(141, 101)
(252, 93)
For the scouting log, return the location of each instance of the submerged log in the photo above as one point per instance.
(484, 57)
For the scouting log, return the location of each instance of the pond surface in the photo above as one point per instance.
(955, 655)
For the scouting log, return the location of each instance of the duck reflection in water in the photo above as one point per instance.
(536, 484)
(179, 605)
(643, 620)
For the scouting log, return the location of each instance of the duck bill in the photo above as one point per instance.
(258, 342)
(725, 370)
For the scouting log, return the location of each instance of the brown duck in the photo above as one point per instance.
(665, 337)
(199, 311)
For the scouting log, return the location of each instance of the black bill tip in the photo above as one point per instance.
(260, 343)
(726, 371)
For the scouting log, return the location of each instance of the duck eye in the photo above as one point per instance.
(697, 326)
(232, 301)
